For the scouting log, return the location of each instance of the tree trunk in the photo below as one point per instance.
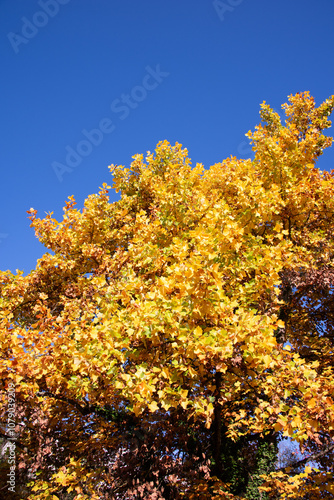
(217, 427)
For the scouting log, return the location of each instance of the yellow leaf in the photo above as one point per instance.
(198, 331)
(278, 427)
(153, 406)
(267, 360)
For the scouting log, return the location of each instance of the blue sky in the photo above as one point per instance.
(135, 73)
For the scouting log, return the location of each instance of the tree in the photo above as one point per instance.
(168, 340)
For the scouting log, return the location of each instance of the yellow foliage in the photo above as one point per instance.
(143, 301)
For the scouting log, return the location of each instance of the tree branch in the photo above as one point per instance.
(86, 410)
(314, 456)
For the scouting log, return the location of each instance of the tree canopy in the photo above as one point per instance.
(167, 341)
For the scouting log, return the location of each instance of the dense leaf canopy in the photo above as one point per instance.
(168, 341)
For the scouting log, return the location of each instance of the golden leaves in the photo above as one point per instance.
(145, 300)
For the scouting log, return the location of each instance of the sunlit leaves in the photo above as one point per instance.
(162, 311)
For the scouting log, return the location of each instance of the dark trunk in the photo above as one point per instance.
(217, 427)
(286, 295)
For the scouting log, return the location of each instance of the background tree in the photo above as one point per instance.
(169, 339)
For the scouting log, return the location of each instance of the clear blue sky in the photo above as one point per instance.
(185, 71)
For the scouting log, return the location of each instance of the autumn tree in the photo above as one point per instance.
(167, 341)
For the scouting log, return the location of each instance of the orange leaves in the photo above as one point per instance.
(162, 309)
(308, 484)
